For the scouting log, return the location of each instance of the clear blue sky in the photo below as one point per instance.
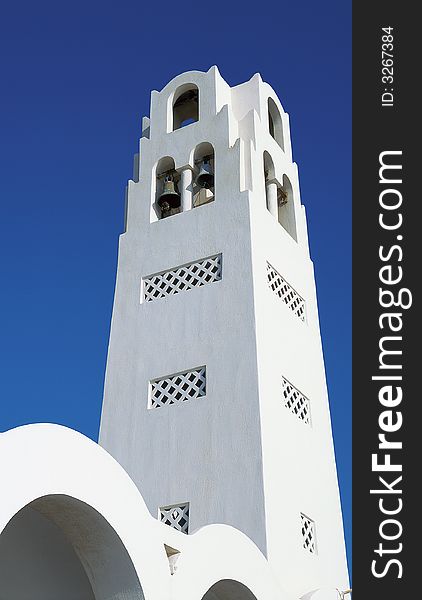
(76, 78)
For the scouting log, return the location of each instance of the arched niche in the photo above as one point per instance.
(286, 208)
(269, 172)
(185, 108)
(279, 198)
(204, 161)
(269, 175)
(229, 589)
(60, 547)
(165, 171)
(275, 123)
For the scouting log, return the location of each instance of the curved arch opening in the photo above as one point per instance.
(229, 589)
(268, 167)
(275, 123)
(279, 198)
(60, 547)
(185, 106)
(203, 188)
(270, 184)
(286, 208)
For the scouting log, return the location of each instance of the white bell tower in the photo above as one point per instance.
(215, 396)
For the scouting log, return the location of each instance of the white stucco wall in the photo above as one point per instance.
(192, 452)
(73, 524)
(237, 455)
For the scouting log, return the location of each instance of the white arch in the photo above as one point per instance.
(51, 461)
(190, 109)
(220, 552)
(58, 546)
(275, 122)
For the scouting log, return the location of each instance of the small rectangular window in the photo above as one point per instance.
(284, 290)
(177, 388)
(295, 401)
(176, 516)
(308, 534)
(181, 279)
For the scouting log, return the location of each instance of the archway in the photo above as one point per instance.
(185, 105)
(229, 589)
(60, 547)
(275, 124)
(286, 208)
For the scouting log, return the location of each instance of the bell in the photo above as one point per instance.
(281, 197)
(205, 177)
(169, 198)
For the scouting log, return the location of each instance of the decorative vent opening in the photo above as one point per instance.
(177, 388)
(295, 401)
(181, 279)
(172, 556)
(308, 534)
(176, 516)
(284, 290)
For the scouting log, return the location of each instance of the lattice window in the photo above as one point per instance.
(178, 388)
(176, 516)
(308, 534)
(295, 401)
(285, 291)
(181, 279)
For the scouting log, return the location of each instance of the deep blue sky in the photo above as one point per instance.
(75, 81)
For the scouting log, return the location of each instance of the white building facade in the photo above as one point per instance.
(215, 397)
(215, 419)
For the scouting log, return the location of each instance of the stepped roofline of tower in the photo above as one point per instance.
(256, 78)
(212, 95)
(225, 94)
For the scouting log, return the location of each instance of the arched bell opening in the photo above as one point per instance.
(60, 547)
(270, 184)
(275, 123)
(203, 187)
(229, 589)
(286, 208)
(185, 106)
(167, 196)
(279, 198)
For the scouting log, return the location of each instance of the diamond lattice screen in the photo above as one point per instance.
(181, 279)
(178, 388)
(308, 533)
(285, 291)
(176, 516)
(295, 401)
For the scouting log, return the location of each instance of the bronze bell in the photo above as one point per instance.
(169, 198)
(205, 178)
(281, 197)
